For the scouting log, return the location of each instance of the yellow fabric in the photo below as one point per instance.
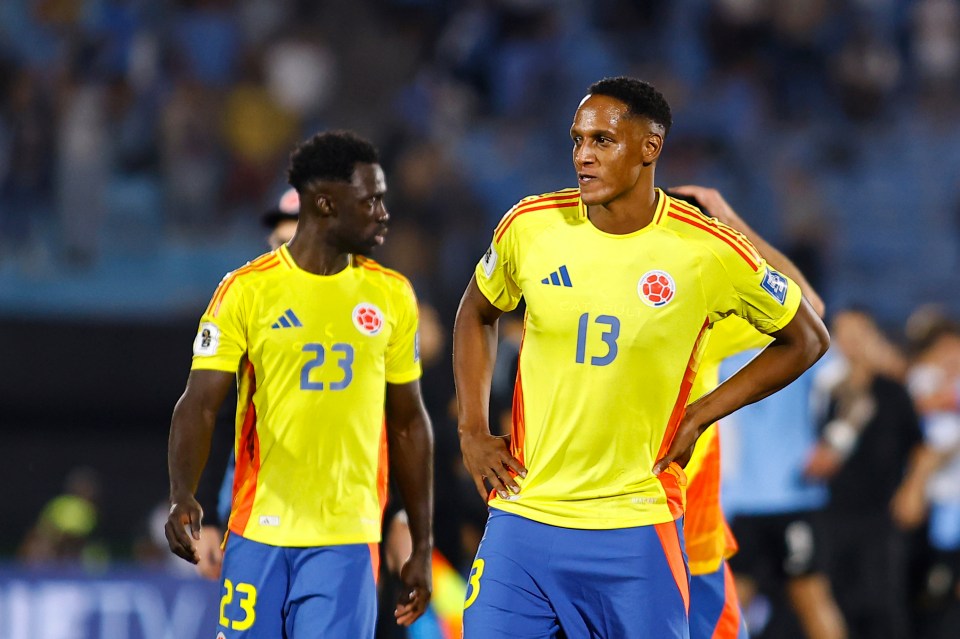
(602, 369)
(311, 407)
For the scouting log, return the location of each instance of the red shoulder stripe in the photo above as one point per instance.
(741, 251)
(380, 269)
(523, 207)
(556, 205)
(722, 228)
(285, 259)
(257, 265)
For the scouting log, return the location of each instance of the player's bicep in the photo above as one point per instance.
(220, 342)
(209, 388)
(404, 407)
(760, 294)
(495, 274)
(475, 303)
(403, 350)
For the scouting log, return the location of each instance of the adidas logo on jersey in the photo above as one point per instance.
(288, 320)
(560, 277)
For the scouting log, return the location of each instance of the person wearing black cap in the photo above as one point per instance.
(282, 219)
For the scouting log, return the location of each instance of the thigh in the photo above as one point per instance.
(333, 592)
(504, 596)
(253, 590)
(753, 558)
(801, 548)
(714, 609)
(624, 583)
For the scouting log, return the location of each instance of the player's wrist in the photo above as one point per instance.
(473, 428)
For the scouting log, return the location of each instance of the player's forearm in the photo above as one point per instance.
(189, 445)
(795, 349)
(411, 461)
(474, 354)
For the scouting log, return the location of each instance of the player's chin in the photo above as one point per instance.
(366, 249)
(592, 195)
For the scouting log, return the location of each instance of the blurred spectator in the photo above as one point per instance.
(869, 433)
(258, 132)
(932, 484)
(191, 158)
(935, 34)
(26, 142)
(775, 518)
(83, 167)
(64, 530)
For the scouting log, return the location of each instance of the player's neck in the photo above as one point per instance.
(626, 214)
(317, 257)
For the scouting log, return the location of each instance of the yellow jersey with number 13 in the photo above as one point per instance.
(313, 355)
(613, 335)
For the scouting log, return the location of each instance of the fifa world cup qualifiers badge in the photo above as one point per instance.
(208, 338)
(489, 260)
(776, 285)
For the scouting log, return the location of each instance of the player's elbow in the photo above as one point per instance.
(816, 341)
(816, 303)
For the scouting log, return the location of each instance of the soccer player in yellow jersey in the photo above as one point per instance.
(323, 341)
(621, 285)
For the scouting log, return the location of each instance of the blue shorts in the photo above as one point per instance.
(297, 593)
(714, 608)
(533, 580)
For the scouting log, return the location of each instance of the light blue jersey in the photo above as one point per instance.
(766, 446)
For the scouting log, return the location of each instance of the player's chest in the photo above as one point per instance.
(323, 326)
(641, 289)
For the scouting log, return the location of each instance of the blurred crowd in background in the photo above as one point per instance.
(140, 142)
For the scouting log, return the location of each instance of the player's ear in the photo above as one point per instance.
(652, 145)
(324, 204)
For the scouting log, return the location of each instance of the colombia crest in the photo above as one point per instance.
(656, 288)
(367, 318)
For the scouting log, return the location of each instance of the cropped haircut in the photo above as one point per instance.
(641, 98)
(332, 155)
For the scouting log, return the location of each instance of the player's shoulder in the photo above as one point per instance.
(689, 222)
(386, 276)
(254, 269)
(537, 211)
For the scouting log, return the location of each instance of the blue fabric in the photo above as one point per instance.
(945, 526)
(708, 595)
(296, 593)
(536, 580)
(765, 448)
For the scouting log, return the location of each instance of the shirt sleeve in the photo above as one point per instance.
(221, 339)
(403, 349)
(496, 272)
(731, 336)
(755, 291)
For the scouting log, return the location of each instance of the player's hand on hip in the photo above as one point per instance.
(681, 448)
(209, 553)
(183, 528)
(488, 457)
(416, 578)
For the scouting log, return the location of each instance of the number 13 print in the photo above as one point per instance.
(609, 336)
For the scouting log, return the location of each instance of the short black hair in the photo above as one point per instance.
(641, 98)
(331, 155)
